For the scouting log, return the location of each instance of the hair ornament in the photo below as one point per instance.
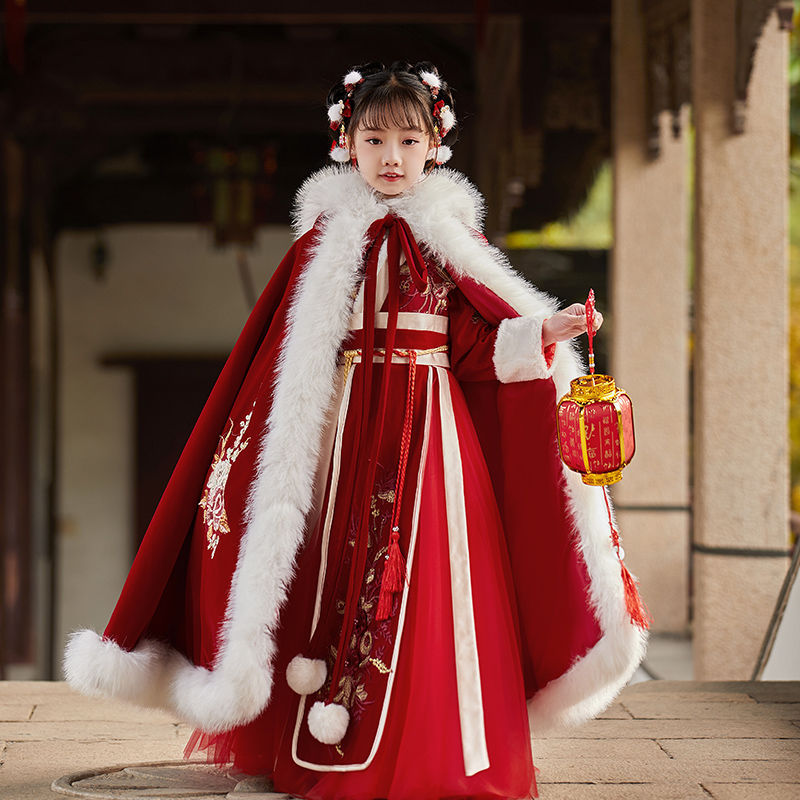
(335, 113)
(441, 153)
(431, 80)
(447, 118)
(340, 154)
(351, 79)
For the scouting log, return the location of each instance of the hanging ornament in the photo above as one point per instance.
(595, 422)
(595, 438)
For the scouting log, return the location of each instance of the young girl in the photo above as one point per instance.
(370, 575)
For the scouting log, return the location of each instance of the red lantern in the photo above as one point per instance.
(595, 438)
(595, 422)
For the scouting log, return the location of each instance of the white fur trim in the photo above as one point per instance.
(518, 352)
(592, 682)
(354, 76)
(306, 675)
(441, 210)
(328, 723)
(96, 666)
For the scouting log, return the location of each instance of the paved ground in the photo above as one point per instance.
(663, 740)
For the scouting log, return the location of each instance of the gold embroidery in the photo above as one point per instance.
(380, 666)
(212, 502)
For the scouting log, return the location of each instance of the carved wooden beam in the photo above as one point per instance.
(668, 65)
(751, 17)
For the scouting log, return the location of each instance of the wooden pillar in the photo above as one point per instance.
(497, 68)
(650, 332)
(15, 543)
(741, 366)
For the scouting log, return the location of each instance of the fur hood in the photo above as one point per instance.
(444, 211)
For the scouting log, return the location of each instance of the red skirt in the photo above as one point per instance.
(420, 721)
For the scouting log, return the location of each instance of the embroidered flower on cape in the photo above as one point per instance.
(212, 502)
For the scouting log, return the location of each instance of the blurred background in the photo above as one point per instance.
(149, 154)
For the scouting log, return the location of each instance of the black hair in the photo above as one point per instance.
(393, 96)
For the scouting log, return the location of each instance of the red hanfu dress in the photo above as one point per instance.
(435, 692)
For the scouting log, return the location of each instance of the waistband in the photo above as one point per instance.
(406, 320)
(438, 358)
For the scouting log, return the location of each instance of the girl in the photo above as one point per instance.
(369, 575)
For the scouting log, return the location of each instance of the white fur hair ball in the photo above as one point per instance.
(354, 76)
(443, 155)
(306, 675)
(431, 78)
(340, 154)
(328, 723)
(448, 118)
(335, 112)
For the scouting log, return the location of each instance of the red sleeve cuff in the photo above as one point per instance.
(549, 352)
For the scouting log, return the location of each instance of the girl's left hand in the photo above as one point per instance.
(567, 324)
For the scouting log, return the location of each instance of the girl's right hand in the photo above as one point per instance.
(567, 324)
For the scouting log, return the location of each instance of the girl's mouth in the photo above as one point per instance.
(391, 176)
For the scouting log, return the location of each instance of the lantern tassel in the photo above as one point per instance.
(637, 610)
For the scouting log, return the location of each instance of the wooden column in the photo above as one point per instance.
(741, 366)
(650, 331)
(15, 396)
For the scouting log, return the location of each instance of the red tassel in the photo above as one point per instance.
(393, 577)
(637, 610)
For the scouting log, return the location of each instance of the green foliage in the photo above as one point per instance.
(589, 228)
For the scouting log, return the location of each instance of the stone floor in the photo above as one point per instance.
(663, 740)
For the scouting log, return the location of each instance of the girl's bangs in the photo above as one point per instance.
(393, 111)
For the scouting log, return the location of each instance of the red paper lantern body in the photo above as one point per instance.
(595, 429)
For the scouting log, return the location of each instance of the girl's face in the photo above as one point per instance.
(391, 160)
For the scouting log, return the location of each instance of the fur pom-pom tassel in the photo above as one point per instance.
(443, 155)
(306, 675)
(339, 154)
(328, 722)
(335, 111)
(352, 77)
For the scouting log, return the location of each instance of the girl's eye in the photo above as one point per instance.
(410, 141)
(374, 139)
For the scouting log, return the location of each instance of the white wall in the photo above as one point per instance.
(166, 290)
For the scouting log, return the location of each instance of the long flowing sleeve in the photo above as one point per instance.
(511, 351)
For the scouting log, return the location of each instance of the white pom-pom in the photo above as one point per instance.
(444, 154)
(335, 111)
(354, 76)
(448, 118)
(306, 675)
(328, 723)
(340, 154)
(431, 78)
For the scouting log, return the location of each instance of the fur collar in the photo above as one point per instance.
(334, 189)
